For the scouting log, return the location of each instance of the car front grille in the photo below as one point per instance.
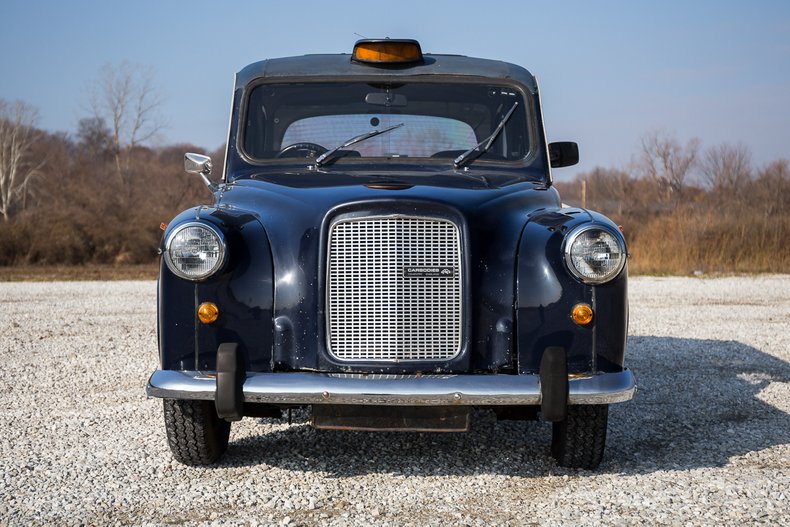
(394, 289)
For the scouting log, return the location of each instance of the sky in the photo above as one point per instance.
(610, 71)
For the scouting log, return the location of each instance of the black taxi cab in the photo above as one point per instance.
(385, 248)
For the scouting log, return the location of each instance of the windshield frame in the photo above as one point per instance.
(366, 162)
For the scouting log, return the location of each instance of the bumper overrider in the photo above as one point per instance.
(552, 388)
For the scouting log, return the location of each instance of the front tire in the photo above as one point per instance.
(195, 434)
(579, 440)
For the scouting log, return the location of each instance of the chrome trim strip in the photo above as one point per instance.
(549, 175)
(393, 390)
(230, 128)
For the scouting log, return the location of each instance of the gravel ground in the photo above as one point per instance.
(706, 440)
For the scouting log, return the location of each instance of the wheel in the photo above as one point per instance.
(579, 440)
(301, 150)
(194, 432)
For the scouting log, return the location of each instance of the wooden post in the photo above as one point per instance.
(584, 193)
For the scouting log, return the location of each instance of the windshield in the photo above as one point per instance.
(428, 120)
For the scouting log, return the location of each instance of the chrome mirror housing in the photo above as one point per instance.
(201, 165)
(197, 164)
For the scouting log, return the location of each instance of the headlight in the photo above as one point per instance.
(195, 251)
(594, 254)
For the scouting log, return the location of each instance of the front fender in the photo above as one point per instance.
(243, 290)
(546, 293)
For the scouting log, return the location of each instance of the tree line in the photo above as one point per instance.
(100, 195)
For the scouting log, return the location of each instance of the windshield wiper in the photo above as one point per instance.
(331, 154)
(483, 146)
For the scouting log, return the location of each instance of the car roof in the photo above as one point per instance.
(340, 65)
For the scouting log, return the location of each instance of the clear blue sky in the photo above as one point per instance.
(609, 71)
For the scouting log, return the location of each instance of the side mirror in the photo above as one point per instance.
(201, 165)
(563, 154)
(197, 164)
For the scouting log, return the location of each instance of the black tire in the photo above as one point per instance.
(195, 434)
(579, 440)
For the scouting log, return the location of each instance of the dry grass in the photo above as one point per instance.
(75, 273)
(684, 243)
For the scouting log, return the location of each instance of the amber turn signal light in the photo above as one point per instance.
(582, 314)
(208, 312)
(386, 51)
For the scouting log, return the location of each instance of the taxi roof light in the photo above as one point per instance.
(387, 51)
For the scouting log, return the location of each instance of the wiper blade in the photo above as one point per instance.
(331, 154)
(483, 146)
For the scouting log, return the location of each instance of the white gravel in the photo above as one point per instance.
(706, 440)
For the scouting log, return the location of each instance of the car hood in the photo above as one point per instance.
(312, 195)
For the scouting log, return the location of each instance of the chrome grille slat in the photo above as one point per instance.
(376, 313)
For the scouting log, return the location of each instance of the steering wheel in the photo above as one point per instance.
(301, 150)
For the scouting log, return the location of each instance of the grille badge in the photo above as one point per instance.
(428, 272)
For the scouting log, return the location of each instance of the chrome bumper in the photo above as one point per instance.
(393, 390)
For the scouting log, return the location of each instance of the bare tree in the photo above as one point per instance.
(727, 167)
(609, 189)
(667, 162)
(772, 189)
(17, 165)
(127, 100)
(95, 138)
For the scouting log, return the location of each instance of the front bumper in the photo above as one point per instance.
(393, 390)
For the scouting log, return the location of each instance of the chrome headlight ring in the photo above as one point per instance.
(594, 254)
(195, 251)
